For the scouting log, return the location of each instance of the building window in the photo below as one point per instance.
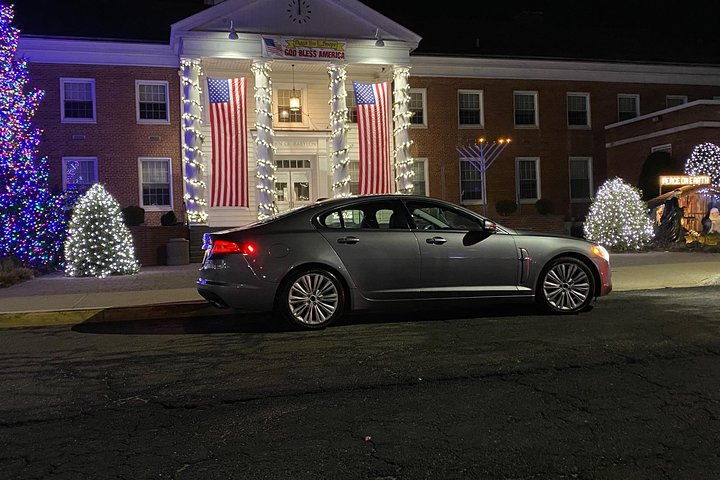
(578, 109)
(152, 101)
(155, 184)
(628, 107)
(525, 106)
(471, 191)
(528, 179)
(351, 106)
(580, 178)
(79, 174)
(419, 179)
(77, 96)
(470, 108)
(285, 115)
(354, 171)
(675, 100)
(417, 107)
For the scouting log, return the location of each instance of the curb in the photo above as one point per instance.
(110, 314)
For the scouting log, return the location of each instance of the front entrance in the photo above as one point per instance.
(293, 183)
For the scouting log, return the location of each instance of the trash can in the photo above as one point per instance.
(178, 251)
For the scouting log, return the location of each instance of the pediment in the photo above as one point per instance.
(345, 19)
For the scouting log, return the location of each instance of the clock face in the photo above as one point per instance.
(299, 11)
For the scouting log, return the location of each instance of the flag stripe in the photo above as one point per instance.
(228, 124)
(372, 103)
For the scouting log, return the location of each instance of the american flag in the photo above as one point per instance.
(273, 48)
(372, 102)
(228, 124)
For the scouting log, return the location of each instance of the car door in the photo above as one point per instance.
(383, 261)
(459, 258)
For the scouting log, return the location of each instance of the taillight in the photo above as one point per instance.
(226, 246)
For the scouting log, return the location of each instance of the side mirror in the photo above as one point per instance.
(490, 227)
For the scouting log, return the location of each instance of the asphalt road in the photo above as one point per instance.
(629, 390)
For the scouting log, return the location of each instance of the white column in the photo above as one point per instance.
(401, 119)
(338, 123)
(193, 162)
(264, 148)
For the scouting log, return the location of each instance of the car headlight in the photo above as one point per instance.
(600, 251)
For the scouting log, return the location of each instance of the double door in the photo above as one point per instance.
(293, 183)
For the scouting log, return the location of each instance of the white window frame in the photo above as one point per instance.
(635, 97)
(67, 80)
(586, 96)
(683, 99)
(534, 95)
(538, 192)
(164, 83)
(67, 160)
(588, 161)
(470, 201)
(424, 169)
(423, 92)
(481, 102)
(301, 89)
(155, 208)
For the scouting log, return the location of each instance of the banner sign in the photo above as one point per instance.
(303, 48)
(684, 180)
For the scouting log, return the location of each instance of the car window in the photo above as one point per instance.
(434, 217)
(370, 215)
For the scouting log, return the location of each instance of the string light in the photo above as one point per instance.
(265, 150)
(32, 219)
(193, 156)
(99, 244)
(618, 218)
(339, 154)
(705, 160)
(401, 119)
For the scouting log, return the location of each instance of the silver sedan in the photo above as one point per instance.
(313, 264)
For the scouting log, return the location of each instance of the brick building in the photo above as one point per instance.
(134, 114)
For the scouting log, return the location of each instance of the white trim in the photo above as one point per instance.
(67, 159)
(683, 98)
(423, 92)
(634, 96)
(479, 93)
(589, 162)
(165, 121)
(91, 81)
(694, 103)
(155, 208)
(536, 106)
(471, 201)
(660, 133)
(424, 161)
(526, 201)
(89, 52)
(588, 124)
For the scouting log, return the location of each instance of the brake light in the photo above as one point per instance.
(226, 246)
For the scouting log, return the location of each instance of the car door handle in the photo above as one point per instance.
(435, 240)
(349, 240)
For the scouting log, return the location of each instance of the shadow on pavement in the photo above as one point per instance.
(267, 323)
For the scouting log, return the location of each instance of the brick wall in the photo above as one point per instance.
(151, 241)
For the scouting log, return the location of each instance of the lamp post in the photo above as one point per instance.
(481, 156)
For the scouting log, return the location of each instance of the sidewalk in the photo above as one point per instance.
(163, 291)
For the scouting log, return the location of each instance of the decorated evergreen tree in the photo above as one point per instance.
(99, 244)
(32, 223)
(618, 218)
(705, 160)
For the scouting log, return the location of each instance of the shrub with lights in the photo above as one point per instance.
(705, 160)
(32, 222)
(99, 244)
(618, 218)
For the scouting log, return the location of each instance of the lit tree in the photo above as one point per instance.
(618, 218)
(705, 160)
(99, 243)
(32, 222)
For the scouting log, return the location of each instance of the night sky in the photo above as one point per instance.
(687, 32)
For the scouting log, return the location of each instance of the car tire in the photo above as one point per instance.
(311, 299)
(566, 286)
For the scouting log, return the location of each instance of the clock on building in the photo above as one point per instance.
(299, 11)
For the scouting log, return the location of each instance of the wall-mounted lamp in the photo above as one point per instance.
(233, 34)
(295, 96)
(378, 39)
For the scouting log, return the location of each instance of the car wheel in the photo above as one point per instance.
(311, 299)
(566, 286)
